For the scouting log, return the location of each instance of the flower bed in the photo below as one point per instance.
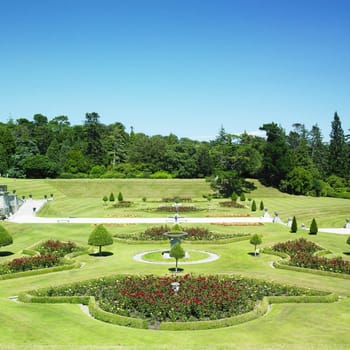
(29, 263)
(176, 199)
(295, 246)
(199, 297)
(180, 208)
(301, 254)
(56, 247)
(231, 204)
(50, 252)
(156, 233)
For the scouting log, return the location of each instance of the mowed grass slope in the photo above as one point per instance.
(286, 326)
(83, 198)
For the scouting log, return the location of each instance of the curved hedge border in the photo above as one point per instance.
(68, 265)
(283, 264)
(261, 309)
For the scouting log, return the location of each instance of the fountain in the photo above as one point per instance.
(175, 236)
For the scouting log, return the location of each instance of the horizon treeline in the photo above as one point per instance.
(299, 162)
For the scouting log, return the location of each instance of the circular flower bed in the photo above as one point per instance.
(198, 298)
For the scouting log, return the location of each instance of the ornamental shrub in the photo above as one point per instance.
(120, 197)
(294, 227)
(111, 197)
(5, 237)
(262, 205)
(253, 205)
(313, 227)
(234, 196)
(177, 252)
(255, 240)
(105, 199)
(100, 237)
(242, 197)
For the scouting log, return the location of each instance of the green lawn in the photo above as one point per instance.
(286, 326)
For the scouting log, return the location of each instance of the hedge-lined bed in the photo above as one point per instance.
(303, 255)
(43, 257)
(202, 302)
(201, 234)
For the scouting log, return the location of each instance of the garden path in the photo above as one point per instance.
(27, 214)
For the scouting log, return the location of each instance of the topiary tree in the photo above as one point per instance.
(234, 196)
(242, 197)
(262, 205)
(177, 252)
(105, 200)
(111, 197)
(5, 237)
(294, 226)
(120, 197)
(255, 240)
(253, 205)
(313, 227)
(100, 237)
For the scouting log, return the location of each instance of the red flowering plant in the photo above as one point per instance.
(51, 254)
(198, 298)
(194, 234)
(57, 247)
(301, 254)
(33, 262)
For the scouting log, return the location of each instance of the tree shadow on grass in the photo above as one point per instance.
(253, 254)
(173, 269)
(346, 253)
(6, 253)
(103, 254)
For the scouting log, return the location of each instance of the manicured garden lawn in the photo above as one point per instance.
(286, 326)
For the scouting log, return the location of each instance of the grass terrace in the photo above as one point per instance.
(287, 326)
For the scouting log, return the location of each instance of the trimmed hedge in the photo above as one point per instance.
(283, 265)
(69, 265)
(258, 311)
(108, 317)
(261, 308)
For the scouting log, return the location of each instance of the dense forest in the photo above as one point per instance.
(299, 162)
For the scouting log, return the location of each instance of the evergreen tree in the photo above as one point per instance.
(294, 227)
(94, 148)
(313, 227)
(262, 205)
(253, 205)
(5, 237)
(111, 197)
(319, 151)
(337, 149)
(277, 159)
(348, 240)
(120, 197)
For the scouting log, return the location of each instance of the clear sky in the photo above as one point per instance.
(186, 67)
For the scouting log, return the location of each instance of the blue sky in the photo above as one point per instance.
(186, 67)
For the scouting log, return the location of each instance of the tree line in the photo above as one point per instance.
(299, 162)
